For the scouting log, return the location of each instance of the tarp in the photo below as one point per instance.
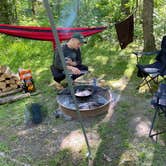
(45, 33)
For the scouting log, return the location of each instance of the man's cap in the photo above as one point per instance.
(80, 37)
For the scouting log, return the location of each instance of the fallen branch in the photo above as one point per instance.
(12, 98)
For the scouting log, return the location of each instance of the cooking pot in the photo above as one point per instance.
(84, 91)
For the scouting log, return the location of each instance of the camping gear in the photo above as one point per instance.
(159, 104)
(84, 91)
(45, 33)
(152, 72)
(27, 80)
(96, 103)
(33, 114)
(125, 31)
(36, 113)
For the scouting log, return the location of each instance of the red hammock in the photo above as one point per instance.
(45, 33)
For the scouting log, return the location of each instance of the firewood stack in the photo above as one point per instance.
(8, 80)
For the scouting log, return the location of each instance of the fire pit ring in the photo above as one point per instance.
(95, 104)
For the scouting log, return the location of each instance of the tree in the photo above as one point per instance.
(8, 13)
(124, 7)
(33, 7)
(149, 40)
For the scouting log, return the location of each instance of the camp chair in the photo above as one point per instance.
(151, 72)
(159, 104)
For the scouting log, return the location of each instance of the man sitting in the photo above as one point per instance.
(72, 54)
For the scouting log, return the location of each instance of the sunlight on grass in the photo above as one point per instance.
(75, 141)
(101, 59)
(142, 126)
(116, 67)
(123, 81)
(40, 70)
(128, 158)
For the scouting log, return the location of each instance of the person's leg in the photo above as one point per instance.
(58, 77)
(57, 74)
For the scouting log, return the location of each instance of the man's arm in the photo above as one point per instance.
(74, 70)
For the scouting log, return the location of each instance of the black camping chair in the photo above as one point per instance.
(151, 72)
(159, 104)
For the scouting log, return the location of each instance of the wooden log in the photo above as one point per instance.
(2, 78)
(15, 77)
(10, 92)
(7, 75)
(14, 86)
(3, 69)
(8, 88)
(2, 85)
(12, 98)
(7, 81)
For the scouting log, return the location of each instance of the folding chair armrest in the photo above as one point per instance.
(140, 54)
(145, 53)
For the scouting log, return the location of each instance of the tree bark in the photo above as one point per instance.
(149, 40)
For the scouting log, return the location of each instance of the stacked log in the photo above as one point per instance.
(8, 80)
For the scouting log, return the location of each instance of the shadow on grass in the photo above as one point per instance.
(125, 138)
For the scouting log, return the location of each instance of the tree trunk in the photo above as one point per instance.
(149, 40)
(7, 14)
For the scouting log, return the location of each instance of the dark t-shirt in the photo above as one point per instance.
(75, 55)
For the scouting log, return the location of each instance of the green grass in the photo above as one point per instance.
(117, 135)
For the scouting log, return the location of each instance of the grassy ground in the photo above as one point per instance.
(118, 138)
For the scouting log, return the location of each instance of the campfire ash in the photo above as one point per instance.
(85, 103)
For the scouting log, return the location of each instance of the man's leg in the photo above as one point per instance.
(58, 77)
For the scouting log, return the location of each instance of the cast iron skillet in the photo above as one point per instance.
(83, 92)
